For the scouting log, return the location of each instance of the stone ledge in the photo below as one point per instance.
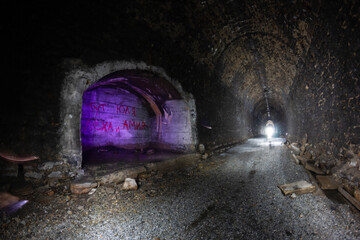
(181, 162)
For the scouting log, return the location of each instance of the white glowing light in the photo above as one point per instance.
(269, 130)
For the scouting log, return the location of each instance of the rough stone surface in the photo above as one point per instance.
(121, 175)
(82, 185)
(129, 184)
(55, 175)
(34, 175)
(47, 166)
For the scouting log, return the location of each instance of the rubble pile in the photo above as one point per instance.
(332, 172)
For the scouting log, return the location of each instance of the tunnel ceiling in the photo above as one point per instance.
(252, 46)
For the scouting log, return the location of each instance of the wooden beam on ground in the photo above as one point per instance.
(314, 169)
(350, 198)
(327, 182)
(300, 187)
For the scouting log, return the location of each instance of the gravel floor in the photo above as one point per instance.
(230, 196)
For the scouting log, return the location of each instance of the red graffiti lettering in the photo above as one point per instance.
(125, 125)
(132, 124)
(110, 127)
(97, 107)
(126, 110)
(128, 125)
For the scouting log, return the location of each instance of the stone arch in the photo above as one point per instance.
(79, 77)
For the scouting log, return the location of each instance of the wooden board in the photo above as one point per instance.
(347, 195)
(300, 187)
(327, 182)
(314, 169)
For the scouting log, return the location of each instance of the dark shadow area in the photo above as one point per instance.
(114, 155)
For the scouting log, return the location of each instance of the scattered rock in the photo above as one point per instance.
(293, 195)
(300, 187)
(204, 156)
(150, 151)
(201, 148)
(109, 190)
(295, 148)
(307, 155)
(34, 175)
(82, 185)
(119, 176)
(129, 184)
(357, 194)
(92, 191)
(47, 166)
(302, 160)
(295, 158)
(50, 193)
(56, 174)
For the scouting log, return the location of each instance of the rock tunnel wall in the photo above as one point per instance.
(238, 59)
(324, 99)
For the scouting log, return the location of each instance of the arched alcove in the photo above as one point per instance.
(129, 115)
(121, 111)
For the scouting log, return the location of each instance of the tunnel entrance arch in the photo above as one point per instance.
(122, 105)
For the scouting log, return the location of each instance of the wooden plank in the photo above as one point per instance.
(314, 169)
(352, 200)
(300, 187)
(327, 182)
(302, 160)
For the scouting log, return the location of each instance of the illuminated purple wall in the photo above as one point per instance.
(130, 111)
(175, 132)
(115, 117)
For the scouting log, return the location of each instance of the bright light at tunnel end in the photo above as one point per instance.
(269, 130)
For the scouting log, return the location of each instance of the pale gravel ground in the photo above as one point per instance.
(230, 196)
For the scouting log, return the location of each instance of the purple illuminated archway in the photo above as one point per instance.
(133, 111)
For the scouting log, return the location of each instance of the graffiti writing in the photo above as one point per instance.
(98, 125)
(105, 126)
(134, 125)
(125, 110)
(97, 107)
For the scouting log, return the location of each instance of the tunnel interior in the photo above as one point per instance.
(134, 117)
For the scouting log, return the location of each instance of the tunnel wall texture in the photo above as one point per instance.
(235, 57)
(324, 99)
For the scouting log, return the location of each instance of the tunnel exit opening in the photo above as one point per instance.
(132, 117)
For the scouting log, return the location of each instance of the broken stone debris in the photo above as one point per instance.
(129, 184)
(299, 187)
(82, 186)
(342, 170)
(201, 148)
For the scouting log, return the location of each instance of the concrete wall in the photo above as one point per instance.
(114, 117)
(176, 132)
